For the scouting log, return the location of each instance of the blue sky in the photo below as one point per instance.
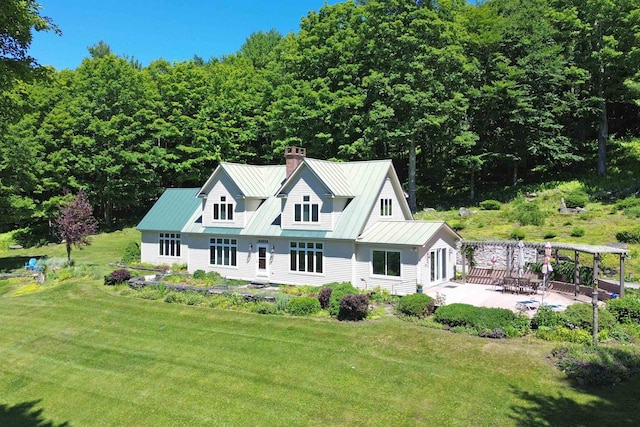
(175, 30)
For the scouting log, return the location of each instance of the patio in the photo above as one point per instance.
(489, 296)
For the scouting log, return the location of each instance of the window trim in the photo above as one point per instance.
(223, 210)
(386, 207)
(169, 245)
(223, 249)
(386, 263)
(306, 211)
(306, 253)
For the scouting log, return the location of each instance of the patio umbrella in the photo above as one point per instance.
(520, 258)
(546, 268)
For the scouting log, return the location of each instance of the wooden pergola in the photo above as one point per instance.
(512, 245)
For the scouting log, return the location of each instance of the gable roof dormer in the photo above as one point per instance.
(330, 174)
(252, 181)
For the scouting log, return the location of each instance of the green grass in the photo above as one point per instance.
(599, 223)
(74, 351)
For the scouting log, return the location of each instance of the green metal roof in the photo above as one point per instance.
(365, 180)
(252, 181)
(333, 176)
(413, 233)
(256, 181)
(361, 182)
(172, 211)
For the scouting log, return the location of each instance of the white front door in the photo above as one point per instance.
(263, 264)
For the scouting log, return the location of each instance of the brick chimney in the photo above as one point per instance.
(294, 156)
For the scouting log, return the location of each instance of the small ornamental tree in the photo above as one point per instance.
(76, 222)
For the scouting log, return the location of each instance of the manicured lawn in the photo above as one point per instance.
(74, 351)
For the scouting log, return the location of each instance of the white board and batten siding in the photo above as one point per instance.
(403, 285)
(150, 249)
(307, 184)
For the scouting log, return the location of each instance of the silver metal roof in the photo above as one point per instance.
(412, 233)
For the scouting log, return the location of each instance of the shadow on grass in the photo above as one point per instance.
(25, 415)
(613, 405)
(8, 264)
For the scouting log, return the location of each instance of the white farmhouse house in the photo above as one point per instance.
(307, 222)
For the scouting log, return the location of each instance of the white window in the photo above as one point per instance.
(169, 244)
(223, 251)
(306, 256)
(386, 263)
(386, 208)
(306, 211)
(223, 211)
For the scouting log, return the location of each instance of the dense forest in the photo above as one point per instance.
(462, 97)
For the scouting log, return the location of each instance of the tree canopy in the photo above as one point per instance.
(463, 98)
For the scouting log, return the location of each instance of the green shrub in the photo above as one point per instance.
(199, 275)
(265, 308)
(577, 232)
(629, 236)
(629, 202)
(478, 318)
(562, 334)
(458, 225)
(339, 291)
(416, 305)
(581, 316)
(632, 212)
(596, 365)
(546, 317)
(381, 295)
(303, 306)
(281, 303)
(576, 199)
(490, 205)
(131, 253)
(354, 307)
(550, 235)
(529, 214)
(625, 310)
(517, 234)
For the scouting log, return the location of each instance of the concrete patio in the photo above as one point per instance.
(489, 296)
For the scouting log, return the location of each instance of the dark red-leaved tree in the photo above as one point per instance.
(76, 222)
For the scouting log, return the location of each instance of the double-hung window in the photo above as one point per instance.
(306, 211)
(386, 263)
(223, 252)
(169, 244)
(223, 211)
(306, 256)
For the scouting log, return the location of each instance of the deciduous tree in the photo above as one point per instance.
(76, 223)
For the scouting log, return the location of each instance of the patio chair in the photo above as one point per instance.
(528, 305)
(497, 282)
(31, 265)
(509, 284)
(524, 285)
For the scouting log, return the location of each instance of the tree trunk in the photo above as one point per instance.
(594, 297)
(68, 252)
(515, 173)
(603, 137)
(412, 176)
(472, 186)
(107, 215)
